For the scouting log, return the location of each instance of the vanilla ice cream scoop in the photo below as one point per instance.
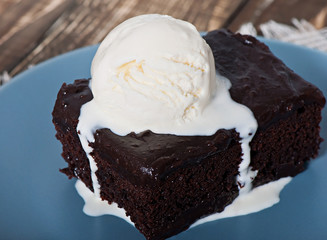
(153, 71)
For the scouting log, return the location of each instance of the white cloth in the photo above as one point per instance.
(4, 77)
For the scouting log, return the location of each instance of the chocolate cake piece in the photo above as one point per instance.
(166, 182)
(286, 107)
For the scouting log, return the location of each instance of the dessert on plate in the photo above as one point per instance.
(173, 127)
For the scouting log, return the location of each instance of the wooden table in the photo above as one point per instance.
(32, 31)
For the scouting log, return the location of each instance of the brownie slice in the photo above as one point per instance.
(286, 107)
(166, 182)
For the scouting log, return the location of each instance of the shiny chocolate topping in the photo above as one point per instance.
(260, 81)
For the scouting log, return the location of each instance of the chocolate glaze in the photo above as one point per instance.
(259, 80)
(147, 156)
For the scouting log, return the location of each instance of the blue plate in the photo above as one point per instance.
(38, 202)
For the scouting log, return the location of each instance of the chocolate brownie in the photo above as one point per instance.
(166, 182)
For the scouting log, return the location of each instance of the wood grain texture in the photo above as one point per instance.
(30, 24)
(88, 22)
(261, 11)
(32, 31)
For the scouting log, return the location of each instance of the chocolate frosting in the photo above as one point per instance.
(147, 156)
(259, 80)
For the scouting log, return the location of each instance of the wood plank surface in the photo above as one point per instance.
(16, 43)
(261, 11)
(32, 31)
